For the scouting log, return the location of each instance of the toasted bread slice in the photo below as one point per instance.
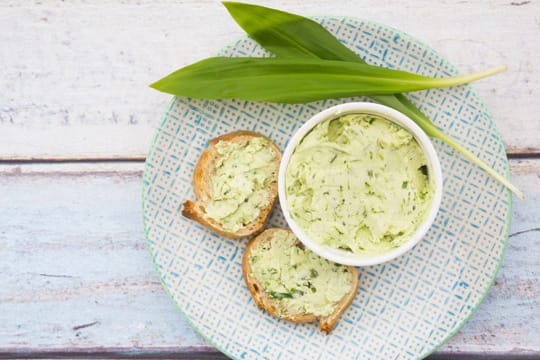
(209, 176)
(282, 306)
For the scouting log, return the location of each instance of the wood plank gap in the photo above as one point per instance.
(20, 161)
(130, 353)
(484, 356)
(533, 154)
(15, 161)
(215, 355)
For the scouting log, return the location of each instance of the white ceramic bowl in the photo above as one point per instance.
(434, 170)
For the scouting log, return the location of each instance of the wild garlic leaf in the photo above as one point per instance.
(290, 35)
(295, 80)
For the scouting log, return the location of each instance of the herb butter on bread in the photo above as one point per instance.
(293, 283)
(235, 182)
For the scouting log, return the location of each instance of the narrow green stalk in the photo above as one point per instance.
(463, 79)
(431, 130)
(483, 166)
(291, 35)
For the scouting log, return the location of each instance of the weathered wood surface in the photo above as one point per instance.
(73, 74)
(77, 280)
(75, 276)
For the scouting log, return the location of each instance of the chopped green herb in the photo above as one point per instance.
(280, 295)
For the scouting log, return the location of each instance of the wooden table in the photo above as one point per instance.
(76, 117)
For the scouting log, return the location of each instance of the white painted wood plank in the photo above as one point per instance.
(74, 75)
(75, 273)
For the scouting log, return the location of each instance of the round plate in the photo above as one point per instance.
(406, 308)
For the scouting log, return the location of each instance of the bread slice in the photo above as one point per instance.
(278, 307)
(205, 177)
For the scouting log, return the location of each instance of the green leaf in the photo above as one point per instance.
(289, 35)
(294, 80)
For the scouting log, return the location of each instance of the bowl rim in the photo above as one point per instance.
(434, 168)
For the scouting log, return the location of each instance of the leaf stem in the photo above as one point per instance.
(401, 103)
(467, 154)
(463, 79)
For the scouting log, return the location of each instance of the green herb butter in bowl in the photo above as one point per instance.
(360, 184)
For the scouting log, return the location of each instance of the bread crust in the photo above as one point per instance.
(204, 173)
(263, 301)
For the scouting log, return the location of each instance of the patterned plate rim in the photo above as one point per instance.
(419, 43)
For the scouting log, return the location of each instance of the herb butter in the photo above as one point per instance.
(302, 281)
(359, 183)
(240, 183)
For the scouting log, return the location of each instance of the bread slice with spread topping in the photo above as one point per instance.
(235, 182)
(295, 284)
